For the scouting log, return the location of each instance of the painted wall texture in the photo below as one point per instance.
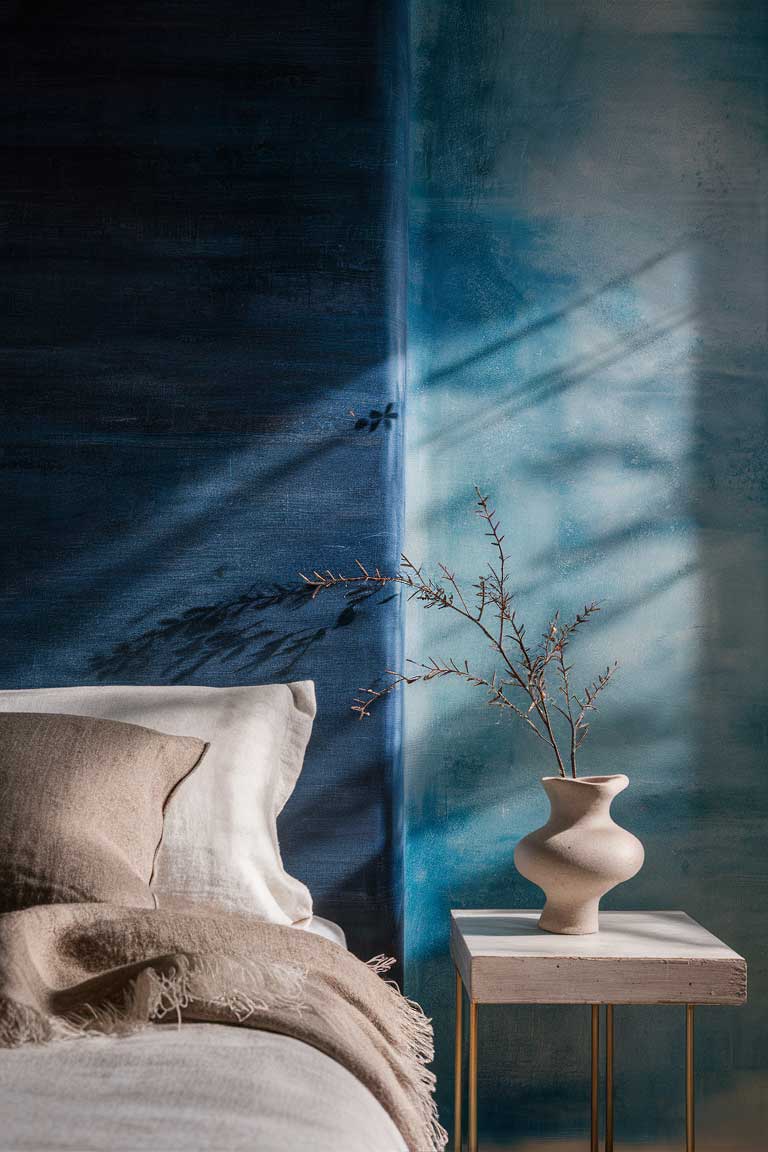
(202, 255)
(203, 242)
(587, 342)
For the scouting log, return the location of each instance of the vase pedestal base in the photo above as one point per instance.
(570, 919)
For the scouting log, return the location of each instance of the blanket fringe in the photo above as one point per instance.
(381, 963)
(251, 986)
(193, 985)
(20, 1024)
(416, 1027)
(189, 984)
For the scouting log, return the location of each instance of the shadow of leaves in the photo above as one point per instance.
(376, 419)
(244, 633)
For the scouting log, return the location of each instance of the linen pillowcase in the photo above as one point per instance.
(81, 807)
(220, 843)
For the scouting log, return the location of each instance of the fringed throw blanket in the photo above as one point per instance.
(69, 970)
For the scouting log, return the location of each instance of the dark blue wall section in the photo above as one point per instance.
(202, 254)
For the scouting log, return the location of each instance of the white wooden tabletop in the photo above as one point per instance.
(635, 958)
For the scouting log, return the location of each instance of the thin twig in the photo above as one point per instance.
(527, 672)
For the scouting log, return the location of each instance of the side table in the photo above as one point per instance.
(502, 957)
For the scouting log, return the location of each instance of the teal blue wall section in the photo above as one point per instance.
(587, 341)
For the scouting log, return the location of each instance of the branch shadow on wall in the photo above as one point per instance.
(556, 316)
(242, 632)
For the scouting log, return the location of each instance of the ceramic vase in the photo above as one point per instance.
(580, 853)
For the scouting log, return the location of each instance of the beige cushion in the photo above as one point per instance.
(220, 845)
(81, 807)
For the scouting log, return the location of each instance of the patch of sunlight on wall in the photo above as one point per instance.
(578, 421)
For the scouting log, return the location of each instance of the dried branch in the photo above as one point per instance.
(524, 668)
(499, 596)
(495, 687)
(588, 703)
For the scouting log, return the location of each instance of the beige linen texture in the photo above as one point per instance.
(75, 969)
(81, 807)
(220, 846)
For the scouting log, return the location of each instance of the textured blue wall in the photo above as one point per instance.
(587, 341)
(203, 251)
(202, 255)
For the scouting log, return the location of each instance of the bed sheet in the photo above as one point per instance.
(201, 1086)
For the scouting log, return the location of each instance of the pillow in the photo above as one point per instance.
(81, 807)
(220, 841)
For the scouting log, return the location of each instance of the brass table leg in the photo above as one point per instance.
(594, 1142)
(690, 1134)
(472, 1135)
(458, 1060)
(609, 1078)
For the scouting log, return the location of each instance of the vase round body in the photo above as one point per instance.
(580, 853)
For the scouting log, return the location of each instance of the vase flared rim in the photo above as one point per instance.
(592, 781)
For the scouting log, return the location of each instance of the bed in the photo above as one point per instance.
(205, 1086)
(164, 981)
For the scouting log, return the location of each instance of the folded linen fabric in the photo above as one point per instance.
(71, 970)
(81, 807)
(220, 845)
